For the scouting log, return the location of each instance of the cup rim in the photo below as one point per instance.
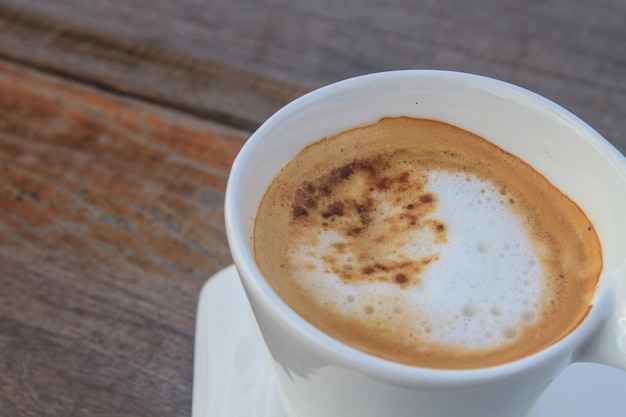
(337, 352)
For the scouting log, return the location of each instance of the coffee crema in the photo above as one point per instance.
(424, 244)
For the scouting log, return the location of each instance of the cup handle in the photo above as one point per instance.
(609, 346)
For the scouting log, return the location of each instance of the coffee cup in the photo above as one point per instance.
(319, 375)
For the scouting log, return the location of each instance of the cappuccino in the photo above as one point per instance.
(424, 244)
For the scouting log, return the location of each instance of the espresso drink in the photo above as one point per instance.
(421, 243)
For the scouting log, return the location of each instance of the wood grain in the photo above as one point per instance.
(111, 222)
(239, 60)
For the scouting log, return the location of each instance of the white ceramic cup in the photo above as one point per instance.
(320, 377)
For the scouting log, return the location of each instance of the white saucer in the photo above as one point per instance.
(232, 376)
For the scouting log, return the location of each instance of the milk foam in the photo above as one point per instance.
(483, 284)
(419, 242)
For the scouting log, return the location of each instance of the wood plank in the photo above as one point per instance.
(126, 65)
(112, 219)
(239, 60)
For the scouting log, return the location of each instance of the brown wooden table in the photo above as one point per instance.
(118, 125)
